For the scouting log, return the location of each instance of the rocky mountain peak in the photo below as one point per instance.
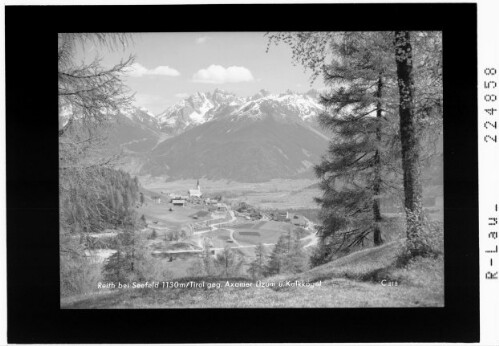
(200, 108)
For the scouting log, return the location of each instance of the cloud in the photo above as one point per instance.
(216, 74)
(137, 70)
(202, 39)
(182, 95)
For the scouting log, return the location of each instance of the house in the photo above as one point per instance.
(156, 199)
(178, 202)
(297, 220)
(195, 193)
(279, 216)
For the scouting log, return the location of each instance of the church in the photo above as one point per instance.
(196, 192)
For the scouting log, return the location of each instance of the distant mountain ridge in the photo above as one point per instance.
(218, 135)
(200, 108)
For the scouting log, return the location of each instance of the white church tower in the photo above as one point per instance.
(196, 192)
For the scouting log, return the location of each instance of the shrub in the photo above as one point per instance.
(321, 254)
(78, 276)
(428, 242)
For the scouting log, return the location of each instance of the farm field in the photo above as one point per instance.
(219, 237)
(175, 218)
(177, 268)
(262, 232)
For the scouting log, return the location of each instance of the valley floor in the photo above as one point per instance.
(365, 278)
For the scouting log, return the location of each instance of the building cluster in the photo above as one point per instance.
(194, 196)
(248, 212)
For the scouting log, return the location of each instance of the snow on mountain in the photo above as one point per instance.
(141, 116)
(287, 106)
(200, 108)
(196, 110)
(145, 110)
(252, 139)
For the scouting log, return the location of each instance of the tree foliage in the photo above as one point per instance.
(257, 266)
(93, 196)
(287, 256)
(128, 262)
(89, 92)
(228, 262)
(96, 199)
(363, 161)
(356, 172)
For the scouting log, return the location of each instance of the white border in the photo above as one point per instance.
(488, 37)
(488, 158)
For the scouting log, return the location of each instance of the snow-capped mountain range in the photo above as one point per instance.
(219, 135)
(200, 108)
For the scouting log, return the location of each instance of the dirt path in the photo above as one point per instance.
(216, 226)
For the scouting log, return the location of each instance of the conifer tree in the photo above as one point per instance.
(410, 142)
(355, 172)
(370, 85)
(208, 263)
(126, 263)
(295, 260)
(276, 259)
(257, 266)
(228, 262)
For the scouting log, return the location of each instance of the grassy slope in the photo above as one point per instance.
(352, 281)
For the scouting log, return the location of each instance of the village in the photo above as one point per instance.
(178, 227)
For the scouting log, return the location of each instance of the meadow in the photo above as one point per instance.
(267, 232)
(359, 277)
(367, 278)
(275, 194)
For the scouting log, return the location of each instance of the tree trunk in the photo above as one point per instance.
(377, 167)
(408, 135)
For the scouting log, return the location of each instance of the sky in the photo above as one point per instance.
(171, 66)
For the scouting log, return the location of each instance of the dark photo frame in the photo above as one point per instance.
(33, 311)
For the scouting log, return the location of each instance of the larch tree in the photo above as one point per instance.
(287, 255)
(363, 162)
(355, 172)
(295, 260)
(228, 262)
(89, 97)
(257, 266)
(207, 258)
(276, 258)
(410, 142)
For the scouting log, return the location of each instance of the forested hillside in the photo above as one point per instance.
(106, 199)
(93, 195)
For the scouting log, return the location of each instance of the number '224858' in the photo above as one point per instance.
(490, 97)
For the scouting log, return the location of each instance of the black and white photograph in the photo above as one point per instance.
(250, 173)
(251, 169)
